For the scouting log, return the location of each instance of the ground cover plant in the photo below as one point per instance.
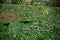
(29, 22)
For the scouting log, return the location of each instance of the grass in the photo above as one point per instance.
(43, 22)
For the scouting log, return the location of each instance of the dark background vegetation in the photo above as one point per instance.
(48, 2)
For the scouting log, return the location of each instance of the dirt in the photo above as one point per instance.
(9, 17)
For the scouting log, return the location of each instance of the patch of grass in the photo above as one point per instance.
(43, 22)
